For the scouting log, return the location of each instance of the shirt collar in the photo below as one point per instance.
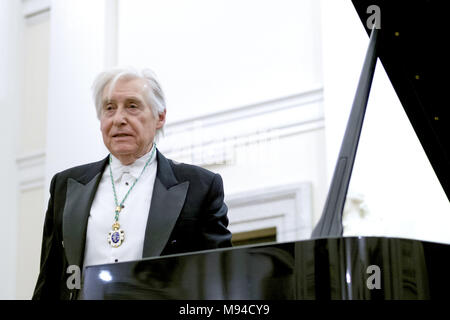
(134, 169)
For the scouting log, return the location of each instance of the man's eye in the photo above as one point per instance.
(133, 106)
(109, 107)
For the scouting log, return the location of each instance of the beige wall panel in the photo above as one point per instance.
(34, 110)
(32, 139)
(30, 221)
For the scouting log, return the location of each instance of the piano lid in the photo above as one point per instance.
(412, 46)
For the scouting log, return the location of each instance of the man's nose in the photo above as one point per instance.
(120, 117)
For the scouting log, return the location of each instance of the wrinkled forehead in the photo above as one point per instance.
(125, 86)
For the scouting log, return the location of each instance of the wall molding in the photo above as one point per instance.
(286, 207)
(247, 111)
(31, 168)
(32, 8)
(210, 139)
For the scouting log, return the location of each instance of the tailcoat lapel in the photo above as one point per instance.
(167, 201)
(79, 196)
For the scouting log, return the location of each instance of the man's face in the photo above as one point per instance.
(127, 123)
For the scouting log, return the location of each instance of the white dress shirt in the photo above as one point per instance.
(132, 218)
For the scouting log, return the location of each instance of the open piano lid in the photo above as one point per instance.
(408, 38)
(413, 48)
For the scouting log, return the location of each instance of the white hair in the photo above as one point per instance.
(154, 95)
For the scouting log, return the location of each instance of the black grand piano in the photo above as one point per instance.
(410, 41)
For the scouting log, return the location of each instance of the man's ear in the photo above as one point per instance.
(161, 120)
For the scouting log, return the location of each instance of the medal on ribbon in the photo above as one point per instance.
(117, 235)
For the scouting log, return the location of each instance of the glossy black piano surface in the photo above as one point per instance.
(334, 268)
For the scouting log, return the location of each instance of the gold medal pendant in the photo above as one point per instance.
(116, 236)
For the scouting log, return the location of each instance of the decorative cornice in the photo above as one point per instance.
(210, 139)
(293, 225)
(247, 111)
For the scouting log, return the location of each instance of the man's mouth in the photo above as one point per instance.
(121, 135)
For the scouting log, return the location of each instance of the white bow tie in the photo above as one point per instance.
(122, 170)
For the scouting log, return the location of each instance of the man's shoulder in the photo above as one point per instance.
(185, 171)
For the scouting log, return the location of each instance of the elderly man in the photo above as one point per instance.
(133, 204)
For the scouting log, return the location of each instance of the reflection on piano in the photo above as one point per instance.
(411, 45)
(331, 268)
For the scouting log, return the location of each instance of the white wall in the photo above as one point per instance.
(11, 36)
(77, 54)
(31, 150)
(216, 55)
